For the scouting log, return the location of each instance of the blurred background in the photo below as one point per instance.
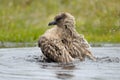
(26, 20)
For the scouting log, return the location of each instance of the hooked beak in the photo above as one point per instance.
(52, 23)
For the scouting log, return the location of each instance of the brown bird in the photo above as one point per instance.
(63, 43)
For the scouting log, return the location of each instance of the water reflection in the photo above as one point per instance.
(66, 72)
(61, 71)
(68, 67)
(62, 75)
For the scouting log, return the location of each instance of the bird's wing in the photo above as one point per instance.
(54, 50)
(83, 47)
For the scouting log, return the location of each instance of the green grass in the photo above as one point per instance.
(26, 20)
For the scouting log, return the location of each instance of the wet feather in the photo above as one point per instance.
(63, 43)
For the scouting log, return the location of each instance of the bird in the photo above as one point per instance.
(62, 43)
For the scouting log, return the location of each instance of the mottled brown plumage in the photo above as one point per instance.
(62, 43)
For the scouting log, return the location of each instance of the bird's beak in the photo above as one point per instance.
(52, 23)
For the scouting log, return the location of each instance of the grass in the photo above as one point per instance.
(26, 20)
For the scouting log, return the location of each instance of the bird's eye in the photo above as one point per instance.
(58, 19)
(65, 26)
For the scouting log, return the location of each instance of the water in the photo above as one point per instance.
(23, 64)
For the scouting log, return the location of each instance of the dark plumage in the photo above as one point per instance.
(62, 43)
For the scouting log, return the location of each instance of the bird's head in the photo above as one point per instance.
(63, 20)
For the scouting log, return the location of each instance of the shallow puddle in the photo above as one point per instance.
(23, 64)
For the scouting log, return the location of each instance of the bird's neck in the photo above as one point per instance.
(69, 32)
